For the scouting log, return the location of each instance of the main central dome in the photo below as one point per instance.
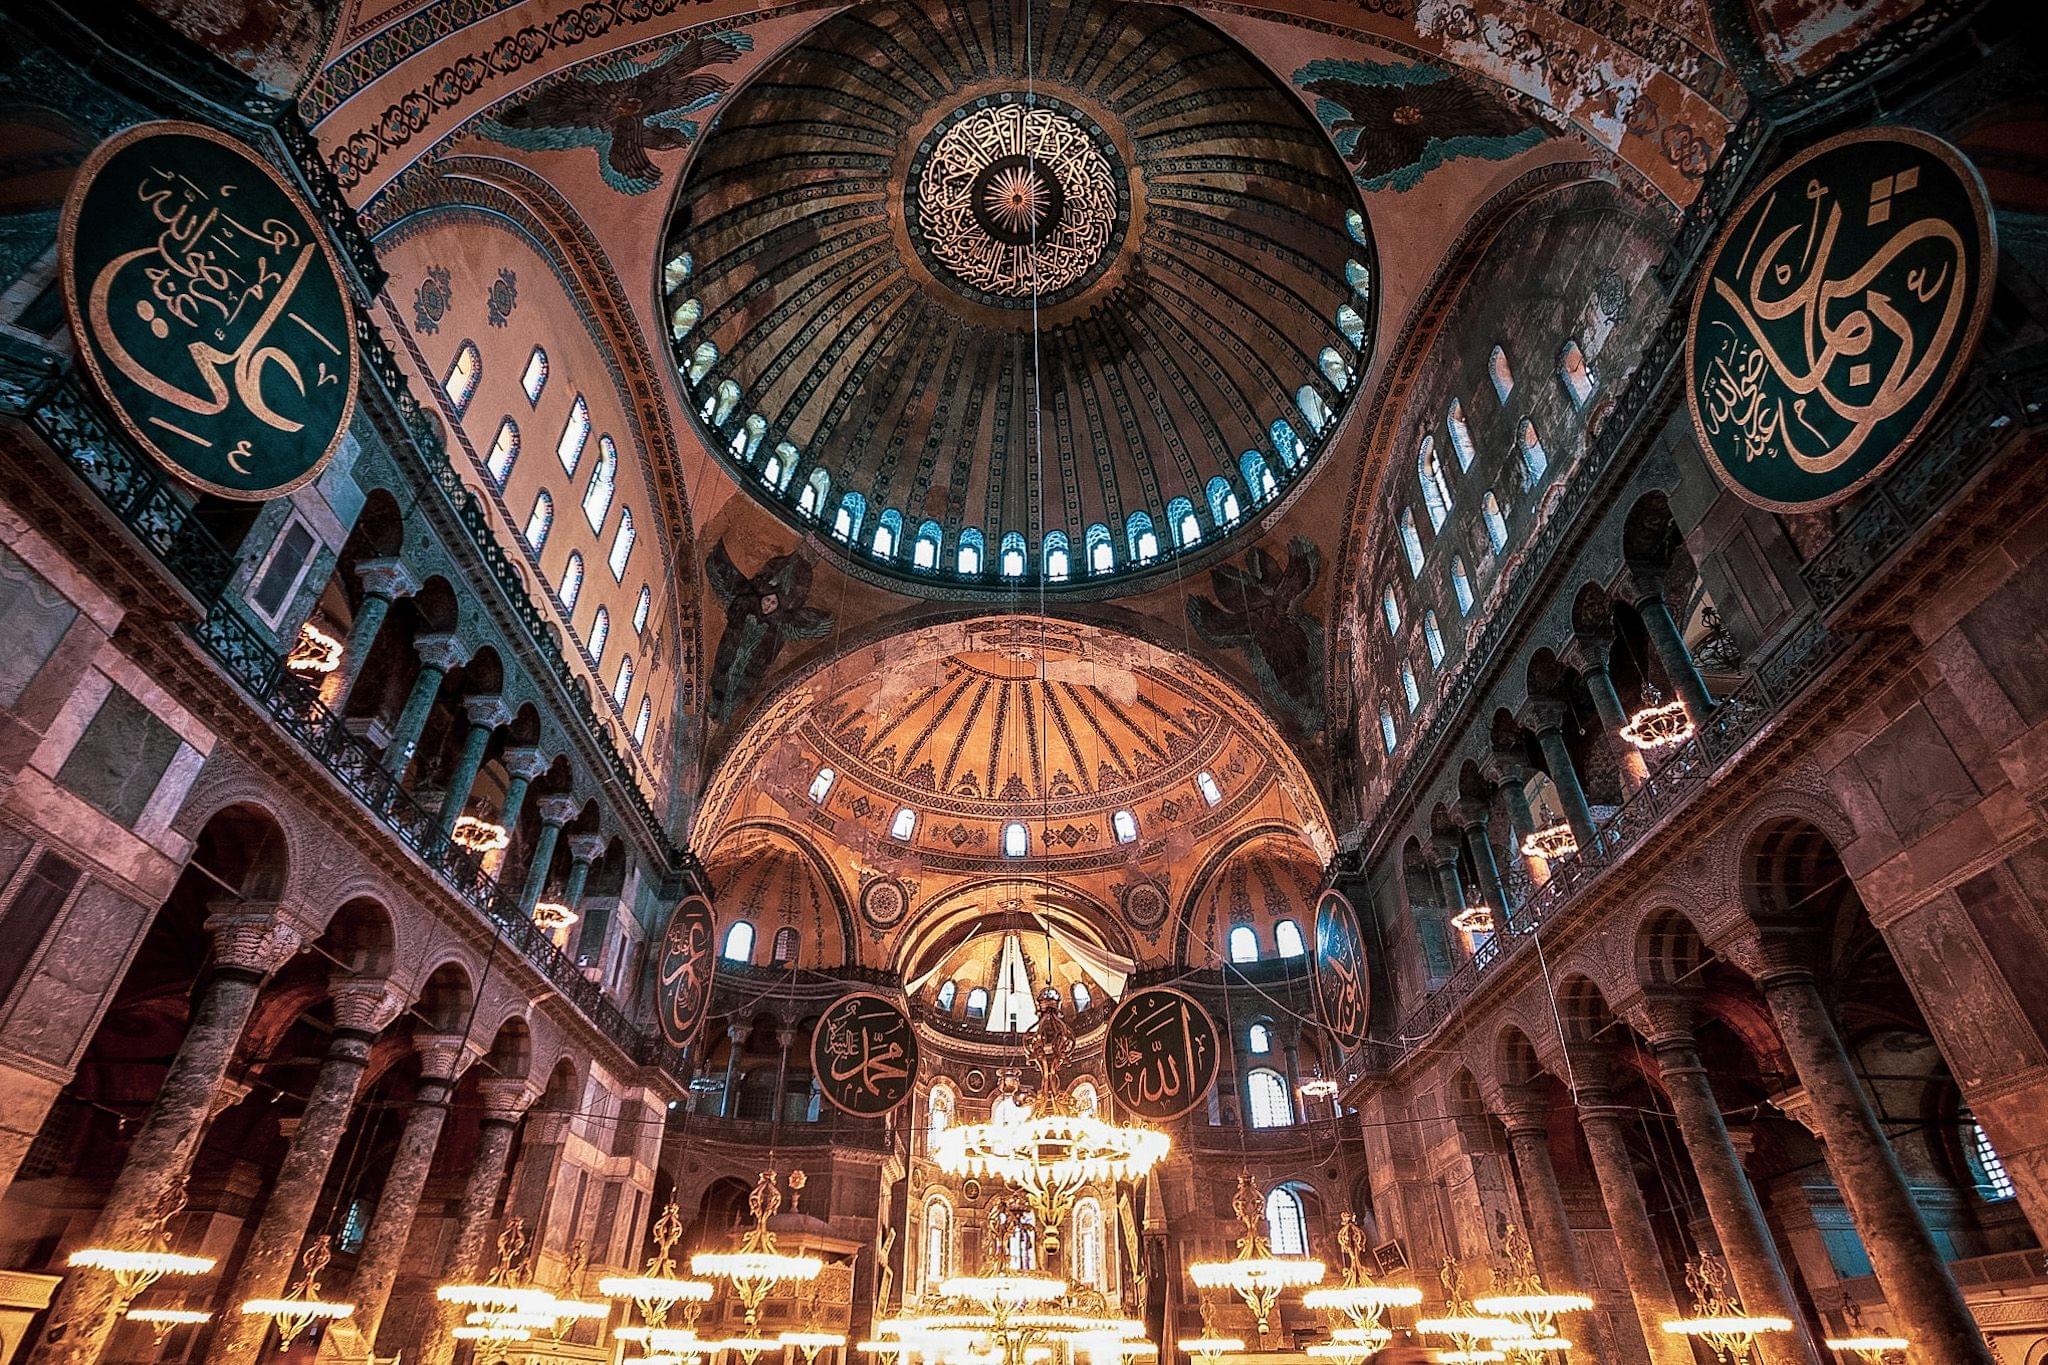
(997, 298)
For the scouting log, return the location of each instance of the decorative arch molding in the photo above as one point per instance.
(752, 831)
(1212, 867)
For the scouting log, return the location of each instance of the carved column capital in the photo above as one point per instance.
(559, 810)
(1797, 1105)
(488, 713)
(1587, 651)
(1666, 1017)
(389, 579)
(527, 762)
(364, 1005)
(504, 1099)
(443, 652)
(1542, 713)
(1505, 770)
(251, 938)
(586, 848)
(1472, 814)
(440, 1055)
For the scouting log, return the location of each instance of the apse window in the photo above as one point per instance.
(1016, 840)
(1409, 690)
(1503, 376)
(977, 1003)
(1574, 374)
(1496, 523)
(739, 943)
(1287, 939)
(1244, 944)
(1286, 1223)
(1126, 826)
(1461, 435)
(1390, 608)
(1206, 784)
(1461, 586)
(643, 605)
(604, 480)
(640, 721)
(539, 520)
(504, 452)
(600, 634)
(1388, 737)
(1436, 489)
(1269, 1105)
(904, 825)
(1534, 460)
(622, 686)
(1411, 542)
(464, 374)
(622, 545)
(821, 785)
(1434, 637)
(536, 377)
(1258, 1040)
(575, 435)
(572, 582)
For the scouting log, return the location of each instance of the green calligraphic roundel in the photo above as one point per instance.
(684, 970)
(1161, 1052)
(1340, 971)
(209, 309)
(864, 1055)
(1836, 310)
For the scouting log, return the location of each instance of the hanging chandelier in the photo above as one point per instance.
(314, 652)
(1718, 1320)
(478, 835)
(1521, 1298)
(135, 1269)
(1551, 840)
(1659, 724)
(1875, 1350)
(1472, 1332)
(1209, 1346)
(1319, 1087)
(1476, 918)
(163, 1320)
(1255, 1274)
(301, 1305)
(1362, 1299)
(658, 1289)
(755, 1267)
(550, 916)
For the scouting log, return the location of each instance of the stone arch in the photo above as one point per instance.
(1669, 950)
(446, 999)
(361, 938)
(510, 1054)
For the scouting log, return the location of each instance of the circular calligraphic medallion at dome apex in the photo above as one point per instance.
(684, 970)
(209, 309)
(1161, 1053)
(864, 1054)
(1836, 310)
(1017, 200)
(1341, 986)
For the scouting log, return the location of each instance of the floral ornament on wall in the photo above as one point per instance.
(430, 301)
(762, 612)
(503, 298)
(625, 108)
(1259, 610)
(1395, 122)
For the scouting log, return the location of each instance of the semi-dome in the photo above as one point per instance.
(995, 299)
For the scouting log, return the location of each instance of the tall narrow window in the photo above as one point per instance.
(1575, 374)
(1436, 489)
(1411, 541)
(1258, 1040)
(536, 377)
(1180, 515)
(572, 582)
(816, 489)
(853, 510)
(1206, 784)
(1390, 608)
(1016, 840)
(1496, 524)
(1125, 823)
(904, 825)
(967, 559)
(539, 520)
(600, 633)
(641, 606)
(888, 534)
(1388, 738)
(1461, 586)
(1287, 939)
(946, 994)
(783, 952)
(1258, 475)
(1143, 540)
(622, 545)
(1534, 461)
(1101, 556)
(575, 435)
(622, 685)
(1503, 376)
(1088, 1242)
(1286, 1223)
(1461, 435)
(1013, 554)
(938, 1242)
(1408, 688)
(1993, 1180)
(925, 554)
(739, 942)
(1057, 562)
(977, 1003)
(1244, 944)
(821, 785)
(1269, 1105)
(1434, 638)
(1223, 505)
(597, 498)
(465, 372)
(504, 452)
(640, 721)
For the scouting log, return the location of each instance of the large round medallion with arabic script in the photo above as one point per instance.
(1016, 199)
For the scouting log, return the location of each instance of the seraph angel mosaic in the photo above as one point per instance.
(1395, 122)
(761, 613)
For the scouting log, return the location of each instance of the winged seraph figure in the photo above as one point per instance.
(1395, 122)
(1259, 609)
(762, 612)
(625, 108)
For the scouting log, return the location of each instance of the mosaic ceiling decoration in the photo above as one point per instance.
(875, 225)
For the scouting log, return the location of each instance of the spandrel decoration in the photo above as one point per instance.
(1162, 1053)
(684, 972)
(864, 1055)
(1340, 971)
(1836, 310)
(209, 309)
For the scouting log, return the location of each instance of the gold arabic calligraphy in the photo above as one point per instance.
(867, 1051)
(1161, 1054)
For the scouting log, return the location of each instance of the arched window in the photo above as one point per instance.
(1286, 442)
(1082, 999)
(1206, 784)
(1016, 840)
(1409, 690)
(682, 319)
(1354, 223)
(1436, 490)
(641, 606)
(1461, 435)
(640, 721)
(723, 403)
(888, 534)
(1534, 461)
(1994, 1182)
(821, 785)
(1434, 638)
(781, 466)
(701, 361)
(1461, 585)
(783, 954)
(1269, 1106)
(1258, 476)
(572, 582)
(1335, 368)
(977, 1003)
(1244, 944)
(946, 994)
(816, 489)
(465, 372)
(1180, 518)
(967, 559)
(746, 442)
(938, 1239)
(504, 452)
(1125, 823)
(1224, 509)
(1312, 408)
(1258, 1040)
(853, 510)
(1286, 1223)
(1496, 524)
(622, 685)
(739, 942)
(536, 377)
(1390, 608)
(600, 633)
(1388, 738)
(1411, 541)
(1359, 278)
(1351, 324)
(539, 520)
(1013, 554)
(1023, 1248)
(575, 435)
(904, 825)
(1574, 373)
(622, 545)
(1056, 560)
(925, 553)
(1503, 376)
(1287, 939)
(597, 498)
(1087, 1242)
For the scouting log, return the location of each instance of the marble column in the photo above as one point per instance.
(1473, 818)
(522, 765)
(738, 1034)
(1924, 1299)
(584, 850)
(248, 944)
(1546, 719)
(362, 1008)
(1738, 1218)
(504, 1101)
(1550, 1230)
(439, 656)
(555, 812)
(1509, 777)
(405, 1178)
(384, 582)
(1588, 655)
(486, 716)
(1642, 1261)
(1672, 653)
